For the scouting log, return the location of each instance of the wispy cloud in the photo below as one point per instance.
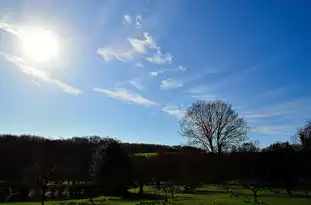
(10, 28)
(110, 54)
(203, 92)
(281, 109)
(141, 45)
(40, 74)
(199, 75)
(136, 85)
(170, 84)
(126, 96)
(283, 117)
(127, 18)
(175, 111)
(276, 130)
(138, 21)
(138, 48)
(159, 58)
(253, 115)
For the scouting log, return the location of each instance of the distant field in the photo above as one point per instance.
(148, 155)
(207, 195)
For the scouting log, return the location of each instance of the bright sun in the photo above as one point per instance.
(39, 45)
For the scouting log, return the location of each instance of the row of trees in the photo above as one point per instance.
(110, 170)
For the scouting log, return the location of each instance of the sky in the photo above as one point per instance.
(129, 69)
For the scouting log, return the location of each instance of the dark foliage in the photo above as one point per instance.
(85, 167)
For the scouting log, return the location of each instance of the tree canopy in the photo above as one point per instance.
(215, 126)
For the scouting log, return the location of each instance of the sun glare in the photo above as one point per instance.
(39, 45)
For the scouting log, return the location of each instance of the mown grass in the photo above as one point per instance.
(207, 195)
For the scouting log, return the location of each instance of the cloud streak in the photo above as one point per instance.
(10, 28)
(143, 48)
(126, 96)
(250, 115)
(274, 130)
(170, 84)
(136, 85)
(174, 111)
(110, 54)
(41, 75)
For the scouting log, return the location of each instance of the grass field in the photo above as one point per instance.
(207, 195)
(148, 155)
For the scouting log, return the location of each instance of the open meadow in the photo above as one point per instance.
(205, 195)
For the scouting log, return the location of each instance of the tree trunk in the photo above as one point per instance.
(165, 197)
(141, 188)
(158, 185)
(255, 195)
(43, 196)
(288, 190)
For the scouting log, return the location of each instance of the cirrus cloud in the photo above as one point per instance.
(179, 113)
(40, 74)
(126, 96)
(170, 84)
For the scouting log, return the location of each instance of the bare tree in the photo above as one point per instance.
(304, 136)
(214, 126)
(249, 147)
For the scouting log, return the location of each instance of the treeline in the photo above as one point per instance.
(34, 167)
(72, 155)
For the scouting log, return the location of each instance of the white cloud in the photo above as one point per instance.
(127, 19)
(125, 95)
(139, 48)
(142, 48)
(138, 45)
(136, 85)
(40, 74)
(160, 59)
(154, 73)
(138, 21)
(170, 84)
(177, 112)
(110, 54)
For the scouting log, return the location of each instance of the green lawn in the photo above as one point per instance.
(207, 195)
(148, 155)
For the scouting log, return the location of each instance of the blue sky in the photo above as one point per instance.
(129, 69)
